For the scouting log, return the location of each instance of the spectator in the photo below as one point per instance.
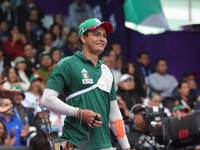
(57, 120)
(13, 123)
(37, 26)
(45, 67)
(29, 34)
(55, 55)
(3, 31)
(24, 9)
(5, 139)
(58, 19)
(13, 45)
(156, 100)
(4, 62)
(21, 112)
(6, 12)
(143, 70)
(34, 94)
(126, 90)
(40, 141)
(189, 77)
(31, 61)
(20, 65)
(56, 31)
(13, 79)
(160, 82)
(72, 43)
(141, 128)
(183, 98)
(130, 69)
(109, 62)
(79, 11)
(179, 110)
(47, 44)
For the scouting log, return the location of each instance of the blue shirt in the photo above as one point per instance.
(17, 125)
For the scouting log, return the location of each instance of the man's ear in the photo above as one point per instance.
(82, 38)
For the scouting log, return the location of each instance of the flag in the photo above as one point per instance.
(145, 12)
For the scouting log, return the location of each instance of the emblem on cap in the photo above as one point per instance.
(84, 28)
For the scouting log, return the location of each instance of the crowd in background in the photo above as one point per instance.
(29, 52)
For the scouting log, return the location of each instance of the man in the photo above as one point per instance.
(143, 70)
(45, 66)
(141, 128)
(162, 83)
(31, 61)
(79, 11)
(5, 93)
(89, 87)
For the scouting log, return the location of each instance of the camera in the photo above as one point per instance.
(171, 132)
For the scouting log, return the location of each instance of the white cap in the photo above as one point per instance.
(125, 77)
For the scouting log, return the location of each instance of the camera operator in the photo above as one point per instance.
(140, 128)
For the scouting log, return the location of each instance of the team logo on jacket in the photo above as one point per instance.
(85, 74)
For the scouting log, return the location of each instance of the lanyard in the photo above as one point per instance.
(144, 71)
(18, 116)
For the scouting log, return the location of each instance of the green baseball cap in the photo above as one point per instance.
(44, 53)
(34, 77)
(92, 24)
(19, 59)
(181, 107)
(18, 88)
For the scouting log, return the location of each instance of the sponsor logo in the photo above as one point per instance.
(183, 134)
(87, 81)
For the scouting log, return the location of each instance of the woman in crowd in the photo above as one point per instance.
(55, 55)
(183, 98)
(13, 79)
(128, 68)
(58, 19)
(28, 33)
(5, 139)
(56, 31)
(13, 45)
(72, 44)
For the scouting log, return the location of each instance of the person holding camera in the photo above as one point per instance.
(140, 129)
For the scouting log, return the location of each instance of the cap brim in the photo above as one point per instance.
(107, 25)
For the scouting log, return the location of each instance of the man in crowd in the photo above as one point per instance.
(31, 61)
(45, 66)
(143, 70)
(160, 82)
(141, 129)
(91, 97)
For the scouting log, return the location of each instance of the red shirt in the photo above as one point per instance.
(13, 51)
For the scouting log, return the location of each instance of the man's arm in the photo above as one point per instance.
(54, 104)
(117, 125)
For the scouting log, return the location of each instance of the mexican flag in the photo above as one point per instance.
(145, 12)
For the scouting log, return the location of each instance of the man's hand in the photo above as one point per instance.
(91, 118)
(7, 93)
